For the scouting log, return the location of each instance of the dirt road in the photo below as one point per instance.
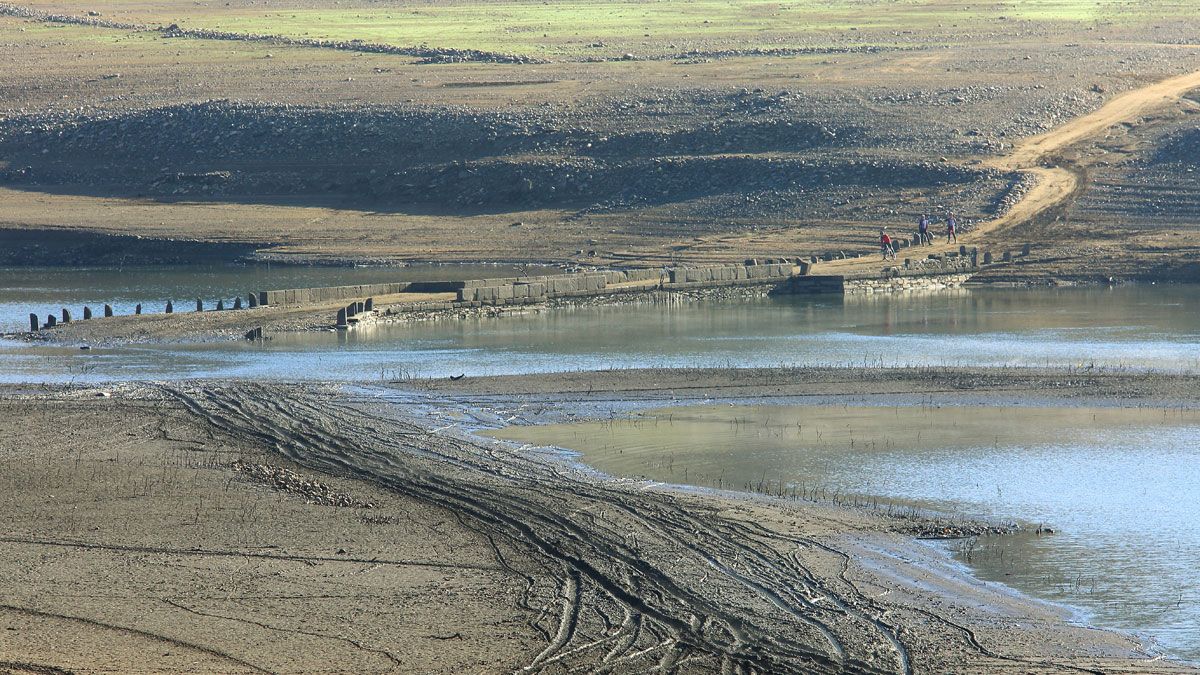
(1055, 184)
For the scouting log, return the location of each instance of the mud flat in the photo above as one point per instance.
(231, 527)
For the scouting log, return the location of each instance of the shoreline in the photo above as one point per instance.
(214, 326)
(820, 538)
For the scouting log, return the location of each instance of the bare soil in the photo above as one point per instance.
(732, 152)
(158, 528)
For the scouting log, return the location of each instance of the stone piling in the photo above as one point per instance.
(108, 310)
(87, 313)
(33, 322)
(66, 315)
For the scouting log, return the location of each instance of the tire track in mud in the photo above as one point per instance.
(694, 591)
(155, 637)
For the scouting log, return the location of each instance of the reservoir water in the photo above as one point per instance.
(1122, 489)
(1154, 327)
(1119, 487)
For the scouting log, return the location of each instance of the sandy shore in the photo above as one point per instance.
(229, 527)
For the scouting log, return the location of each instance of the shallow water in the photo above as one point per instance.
(46, 290)
(1139, 327)
(1121, 487)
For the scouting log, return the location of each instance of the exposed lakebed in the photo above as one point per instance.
(1120, 487)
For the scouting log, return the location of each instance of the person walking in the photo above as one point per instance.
(923, 230)
(885, 245)
(951, 228)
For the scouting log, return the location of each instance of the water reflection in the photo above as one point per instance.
(1121, 487)
(1138, 327)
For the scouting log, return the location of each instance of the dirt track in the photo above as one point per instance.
(1038, 156)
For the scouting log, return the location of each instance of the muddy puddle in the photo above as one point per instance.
(1156, 327)
(1119, 487)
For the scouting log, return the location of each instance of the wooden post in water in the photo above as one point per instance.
(33, 322)
(108, 310)
(66, 315)
(87, 313)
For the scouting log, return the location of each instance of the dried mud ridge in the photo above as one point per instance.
(426, 54)
(628, 580)
(311, 490)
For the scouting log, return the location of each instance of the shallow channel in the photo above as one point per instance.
(1119, 487)
(1155, 327)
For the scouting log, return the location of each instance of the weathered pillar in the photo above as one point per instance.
(170, 307)
(1007, 256)
(66, 315)
(199, 305)
(87, 313)
(370, 304)
(137, 309)
(341, 318)
(237, 302)
(962, 250)
(33, 322)
(253, 297)
(51, 321)
(220, 304)
(108, 310)
(987, 258)
(1025, 249)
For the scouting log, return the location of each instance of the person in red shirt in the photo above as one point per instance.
(885, 245)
